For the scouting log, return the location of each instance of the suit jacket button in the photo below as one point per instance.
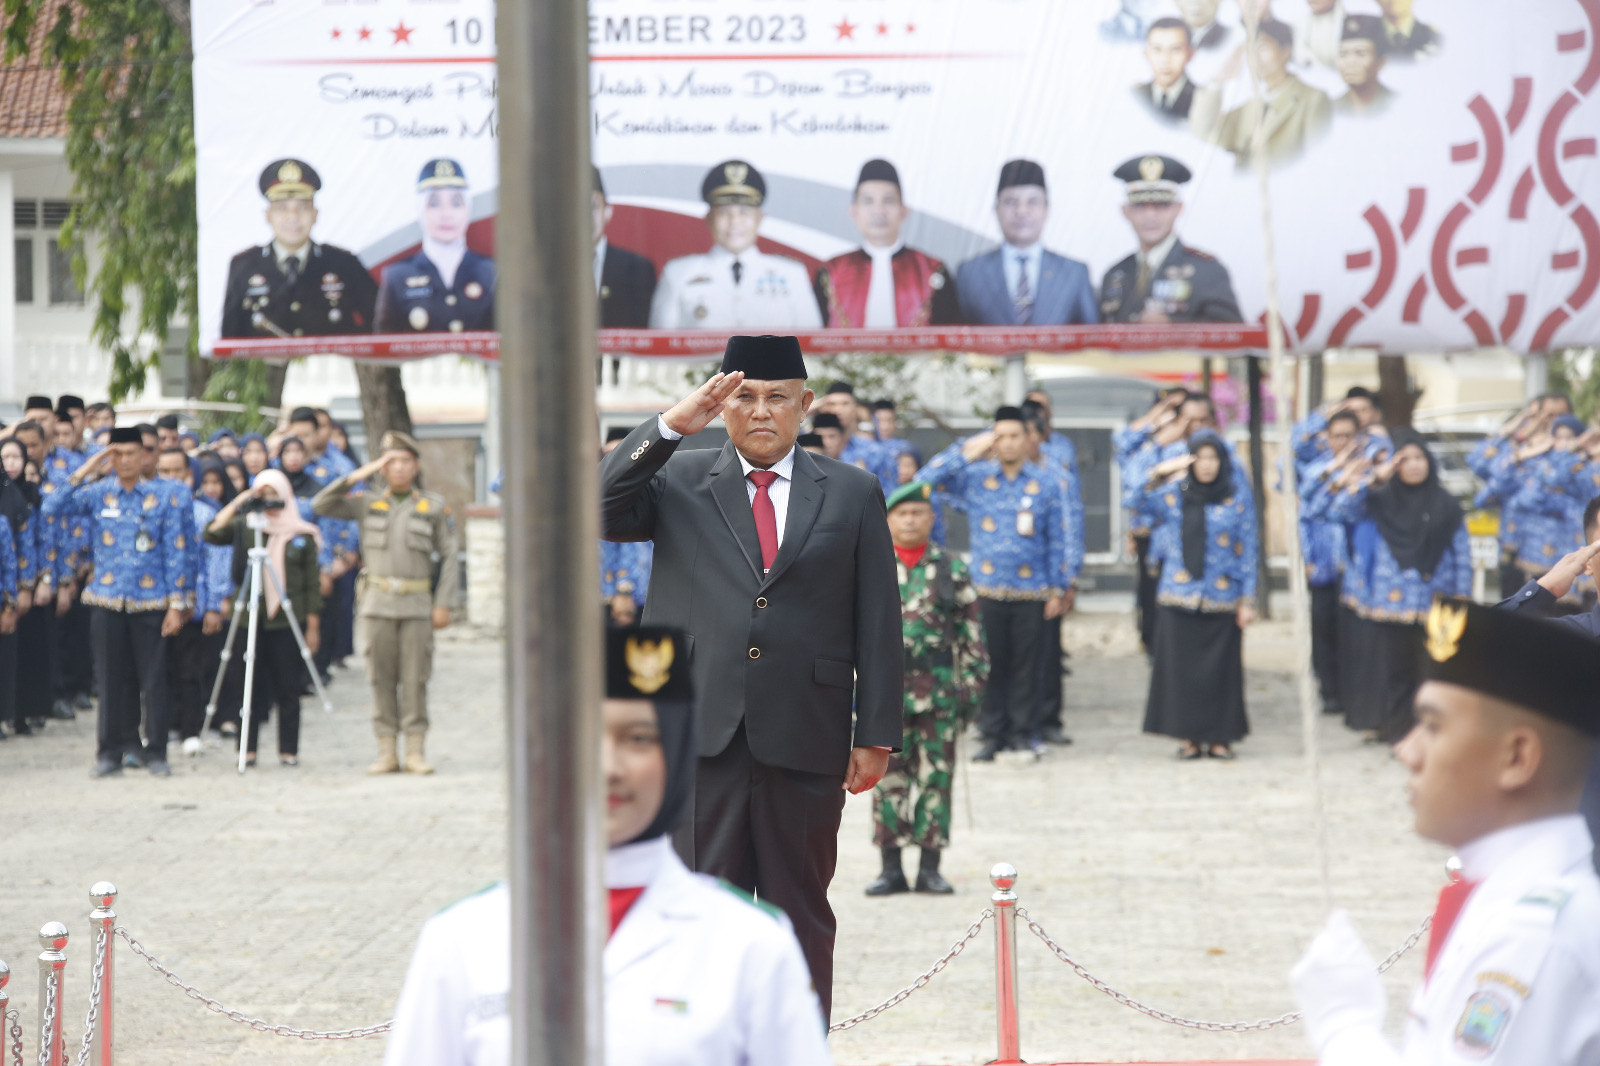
(755, 653)
(761, 601)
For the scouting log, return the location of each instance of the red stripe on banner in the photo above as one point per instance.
(1480, 328)
(838, 57)
(1547, 329)
(1591, 72)
(1342, 328)
(1357, 260)
(1520, 195)
(1578, 146)
(1516, 304)
(1570, 42)
(1462, 153)
(1521, 96)
(1412, 312)
(1494, 148)
(1472, 256)
(403, 61)
(1310, 308)
(1388, 255)
(1566, 260)
(1441, 257)
(703, 344)
(1549, 172)
(1416, 200)
(1591, 243)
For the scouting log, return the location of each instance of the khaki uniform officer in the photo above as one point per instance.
(402, 532)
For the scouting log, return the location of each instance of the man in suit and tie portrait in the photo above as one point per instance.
(1021, 283)
(779, 566)
(1168, 49)
(624, 281)
(1165, 280)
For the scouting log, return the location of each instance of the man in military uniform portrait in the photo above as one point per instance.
(1363, 48)
(1295, 114)
(1021, 283)
(624, 281)
(946, 666)
(402, 532)
(1165, 280)
(734, 286)
(294, 286)
(446, 286)
(1167, 48)
(1409, 39)
(884, 283)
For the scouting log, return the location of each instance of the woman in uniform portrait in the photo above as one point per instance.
(445, 286)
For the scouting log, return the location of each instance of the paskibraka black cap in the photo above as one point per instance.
(1546, 668)
(647, 663)
(765, 358)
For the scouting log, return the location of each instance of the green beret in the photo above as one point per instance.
(911, 492)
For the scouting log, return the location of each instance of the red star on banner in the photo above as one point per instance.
(365, 33)
(846, 28)
(883, 29)
(402, 33)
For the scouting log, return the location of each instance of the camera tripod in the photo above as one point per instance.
(257, 592)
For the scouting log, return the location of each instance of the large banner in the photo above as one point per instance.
(913, 175)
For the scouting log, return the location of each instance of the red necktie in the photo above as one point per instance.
(766, 518)
(621, 900)
(1452, 898)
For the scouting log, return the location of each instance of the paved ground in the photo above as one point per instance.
(295, 896)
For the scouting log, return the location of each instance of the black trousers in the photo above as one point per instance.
(74, 666)
(278, 672)
(1144, 595)
(1325, 643)
(131, 662)
(36, 648)
(773, 832)
(8, 677)
(191, 669)
(1047, 713)
(1013, 631)
(338, 623)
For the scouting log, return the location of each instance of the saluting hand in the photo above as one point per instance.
(695, 411)
(1571, 567)
(1167, 468)
(977, 446)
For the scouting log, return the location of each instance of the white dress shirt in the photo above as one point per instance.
(778, 492)
(1014, 260)
(881, 312)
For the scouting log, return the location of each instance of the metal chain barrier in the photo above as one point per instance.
(96, 980)
(238, 1016)
(15, 1017)
(905, 993)
(1191, 1023)
(48, 1025)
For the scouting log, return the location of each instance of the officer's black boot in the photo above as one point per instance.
(928, 878)
(893, 878)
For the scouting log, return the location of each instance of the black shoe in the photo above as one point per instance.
(82, 701)
(37, 723)
(133, 760)
(62, 710)
(326, 678)
(1054, 735)
(107, 767)
(22, 729)
(158, 768)
(987, 752)
(889, 883)
(933, 883)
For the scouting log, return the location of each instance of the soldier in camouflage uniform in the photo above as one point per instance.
(945, 668)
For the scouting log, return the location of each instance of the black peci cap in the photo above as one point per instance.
(1538, 665)
(1020, 172)
(126, 435)
(38, 403)
(647, 663)
(69, 402)
(826, 420)
(809, 440)
(765, 358)
(878, 170)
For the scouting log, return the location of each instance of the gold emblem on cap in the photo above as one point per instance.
(649, 663)
(1446, 624)
(289, 172)
(736, 173)
(1151, 168)
(444, 169)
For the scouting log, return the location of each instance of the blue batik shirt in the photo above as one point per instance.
(1230, 573)
(1013, 557)
(1375, 586)
(141, 542)
(625, 569)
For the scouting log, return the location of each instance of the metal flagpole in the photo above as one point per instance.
(546, 316)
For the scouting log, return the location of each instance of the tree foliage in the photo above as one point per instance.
(126, 68)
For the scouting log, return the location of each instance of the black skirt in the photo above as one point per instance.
(1380, 683)
(1197, 678)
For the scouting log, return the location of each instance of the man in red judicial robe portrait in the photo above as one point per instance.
(884, 284)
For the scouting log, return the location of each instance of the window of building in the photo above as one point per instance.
(39, 222)
(24, 287)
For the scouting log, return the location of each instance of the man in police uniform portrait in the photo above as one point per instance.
(446, 286)
(734, 285)
(1165, 280)
(1363, 48)
(624, 281)
(293, 286)
(884, 283)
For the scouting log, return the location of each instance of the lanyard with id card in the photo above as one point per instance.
(1025, 517)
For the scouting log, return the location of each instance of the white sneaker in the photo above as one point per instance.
(191, 746)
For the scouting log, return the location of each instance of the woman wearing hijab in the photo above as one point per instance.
(253, 453)
(1204, 540)
(292, 546)
(695, 973)
(1407, 543)
(24, 694)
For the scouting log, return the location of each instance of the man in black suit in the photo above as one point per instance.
(625, 281)
(779, 566)
(1168, 49)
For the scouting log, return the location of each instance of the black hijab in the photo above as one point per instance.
(303, 484)
(1417, 522)
(210, 464)
(1198, 496)
(675, 720)
(18, 499)
(652, 663)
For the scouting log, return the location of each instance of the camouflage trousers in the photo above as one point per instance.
(924, 761)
